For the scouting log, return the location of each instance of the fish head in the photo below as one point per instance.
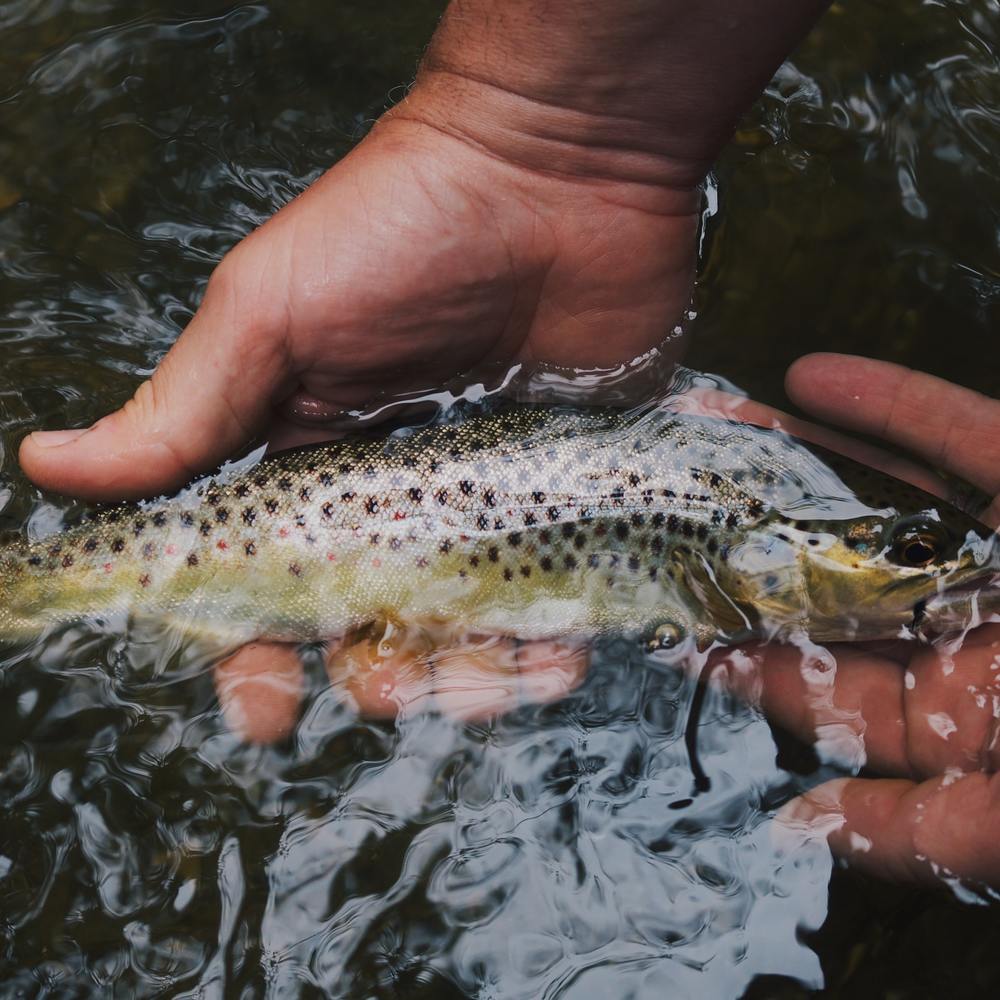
(927, 568)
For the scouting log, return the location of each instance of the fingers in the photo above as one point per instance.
(950, 426)
(945, 828)
(859, 707)
(212, 391)
(465, 677)
(259, 689)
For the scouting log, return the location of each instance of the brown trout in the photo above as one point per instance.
(530, 522)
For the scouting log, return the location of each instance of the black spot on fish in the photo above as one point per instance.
(284, 484)
(261, 480)
(187, 519)
(568, 530)
(205, 528)
(638, 520)
(546, 563)
(328, 510)
(34, 560)
(634, 479)
(508, 575)
(249, 516)
(538, 497)
(372, 505)
(300, 520)
(446, 546)
(212, 498)
(621, 530)
(466, 487)
(593, 560)
(732, 520)
(67, 561)
(489, 498)
(514, 539)
(656, 545)
(138, 527)
(148, 550)
(687, 529)
(570, 561)
(581, 540)
(473, 560)
(493, 554)
(90, 544)
(192, 560)
(250, 549)
(374, 538)
(242, 490)
(325, 479)
(544, 537)
(114, 516)
(529, 518)
(441, 496)
(118, 545)
(348, 496)
(658, 519)
(525, 571)
(295, 569)
(346, 469)
(395, 544)
(271, 505)
(702, 531)
(304, 494)
(159, 519)
(416, 494)
(715, 480)
(145, 580)
(713, 546)
(222, 515)
(633, 563)
(482, 522)
(673, 523)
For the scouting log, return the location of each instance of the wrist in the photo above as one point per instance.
(545, 137)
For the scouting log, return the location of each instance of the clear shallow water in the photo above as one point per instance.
(141, 845)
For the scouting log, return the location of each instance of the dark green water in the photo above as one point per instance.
(144, 852)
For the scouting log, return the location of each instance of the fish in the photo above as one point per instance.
(528, 521)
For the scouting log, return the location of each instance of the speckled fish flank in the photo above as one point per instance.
(527, 521)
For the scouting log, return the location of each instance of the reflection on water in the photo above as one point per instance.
(543, 854)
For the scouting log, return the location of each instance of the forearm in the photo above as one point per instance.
(637, 90)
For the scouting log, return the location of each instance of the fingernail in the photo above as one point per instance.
(55, 439)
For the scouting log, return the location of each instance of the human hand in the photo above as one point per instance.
(927, 717)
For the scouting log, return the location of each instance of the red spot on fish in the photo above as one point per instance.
(171, 550)
(376, 563)
(108, 567)
(222, 545)
(144, 580)
(331, 557)
(399, 516)
(282, 532)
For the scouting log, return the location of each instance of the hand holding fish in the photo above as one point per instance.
(930, 720)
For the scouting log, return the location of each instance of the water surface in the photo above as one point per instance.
(145, 852)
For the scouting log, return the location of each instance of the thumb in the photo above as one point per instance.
(207, 398)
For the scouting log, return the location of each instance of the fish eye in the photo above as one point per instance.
(917, 543)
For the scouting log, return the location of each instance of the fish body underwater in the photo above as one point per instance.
(527, 521)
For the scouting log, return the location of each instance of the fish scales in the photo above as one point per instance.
(528, 521)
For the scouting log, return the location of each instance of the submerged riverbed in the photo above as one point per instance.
(145, 852)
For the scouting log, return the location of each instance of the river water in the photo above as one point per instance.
(145, 852)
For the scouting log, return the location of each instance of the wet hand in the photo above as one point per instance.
(418, 257)
(925, 717)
